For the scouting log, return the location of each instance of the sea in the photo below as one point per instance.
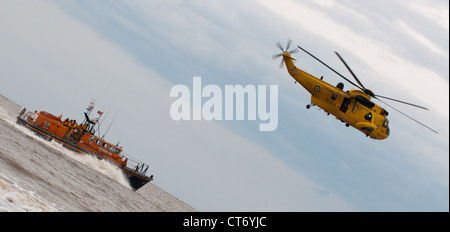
(41, 176)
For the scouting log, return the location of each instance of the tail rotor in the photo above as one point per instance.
(283, 51)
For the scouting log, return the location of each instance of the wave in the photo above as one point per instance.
(15, 198)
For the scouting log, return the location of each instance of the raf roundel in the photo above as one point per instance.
(317, 89)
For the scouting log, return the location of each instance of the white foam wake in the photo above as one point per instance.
(13, 198)
(101, 166)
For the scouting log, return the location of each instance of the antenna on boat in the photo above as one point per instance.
(103, 118)
(101, 122)
(109, 126)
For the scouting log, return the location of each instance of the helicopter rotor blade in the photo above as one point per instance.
(407, 103)
(406, 115)
(370, 93)
(282, 63)
(331, 68)
(288, 44)
(349, 69)
(293, 51)
(279, 46)
(276, 56)
(283, 51)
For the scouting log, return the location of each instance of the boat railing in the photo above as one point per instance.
(25, 114)
(136, 165)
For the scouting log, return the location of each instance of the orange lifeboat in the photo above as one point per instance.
(81, 138)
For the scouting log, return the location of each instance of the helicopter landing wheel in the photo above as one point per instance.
(308, 106)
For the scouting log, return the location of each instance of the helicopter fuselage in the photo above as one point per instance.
(352, 107)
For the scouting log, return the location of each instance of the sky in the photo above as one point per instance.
(127, 55)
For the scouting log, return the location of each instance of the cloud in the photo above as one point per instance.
(437, 11)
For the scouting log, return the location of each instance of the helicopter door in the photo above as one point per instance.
(344, 106)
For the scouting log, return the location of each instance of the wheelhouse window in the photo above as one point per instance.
(111, 148)
(91, 138)
(117, 151)
(105, 145)
(98, 141)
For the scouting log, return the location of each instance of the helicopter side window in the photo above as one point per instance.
(385, 123)
(344, 106)
(333, 97)
(368, 116)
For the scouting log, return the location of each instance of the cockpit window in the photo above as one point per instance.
(364, 101)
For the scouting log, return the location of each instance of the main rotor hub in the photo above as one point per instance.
(369, 92)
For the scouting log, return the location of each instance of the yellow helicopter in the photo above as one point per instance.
(353, 107)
